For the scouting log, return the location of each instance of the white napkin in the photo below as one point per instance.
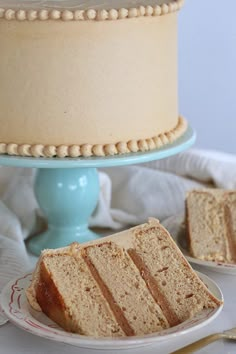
(17, 217)
(128, 196)
(133, 193)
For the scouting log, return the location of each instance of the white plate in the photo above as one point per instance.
(17, 309)
(176, 227)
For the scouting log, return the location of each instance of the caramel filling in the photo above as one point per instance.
(230, 232)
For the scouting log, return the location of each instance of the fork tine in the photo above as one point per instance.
(230, 333)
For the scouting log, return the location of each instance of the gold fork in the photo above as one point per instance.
(191, 348)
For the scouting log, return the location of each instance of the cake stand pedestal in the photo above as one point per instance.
(67, 190)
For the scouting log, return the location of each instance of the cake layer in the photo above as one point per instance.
(183, 293)
(211, 224)
(71, 88)
(134, 283)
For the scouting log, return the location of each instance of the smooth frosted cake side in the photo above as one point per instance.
(83, 81)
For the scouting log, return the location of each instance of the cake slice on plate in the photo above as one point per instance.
(133, 283)
(211, 224)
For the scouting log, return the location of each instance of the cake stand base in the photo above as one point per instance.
(67, 190)
(67, 197)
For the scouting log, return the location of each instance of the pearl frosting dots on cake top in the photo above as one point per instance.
(78, 10)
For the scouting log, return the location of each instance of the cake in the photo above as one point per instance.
(211, 224)
(133, 283)
(88, 78)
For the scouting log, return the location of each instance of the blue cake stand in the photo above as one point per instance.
(67, 190)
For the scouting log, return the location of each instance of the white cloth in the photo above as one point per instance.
(128, 196)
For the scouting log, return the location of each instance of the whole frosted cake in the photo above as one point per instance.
(83, 78)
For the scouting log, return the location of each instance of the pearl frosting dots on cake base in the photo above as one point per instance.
(87, 150)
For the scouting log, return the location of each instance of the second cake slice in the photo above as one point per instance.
(211, 224)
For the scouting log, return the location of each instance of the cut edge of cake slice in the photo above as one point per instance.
(125, 290)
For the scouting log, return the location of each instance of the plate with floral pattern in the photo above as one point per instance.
(17, 309)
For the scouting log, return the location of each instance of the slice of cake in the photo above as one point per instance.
(211, 224)
(132, 283)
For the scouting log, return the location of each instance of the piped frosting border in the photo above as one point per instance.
(90, 14)
(88, 150)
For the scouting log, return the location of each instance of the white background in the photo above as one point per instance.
(207, 71)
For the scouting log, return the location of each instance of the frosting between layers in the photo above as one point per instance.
(90, 14)
(87, 150)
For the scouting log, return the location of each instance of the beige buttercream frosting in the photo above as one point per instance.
(88, 88)
(85, 10)
(87, 150)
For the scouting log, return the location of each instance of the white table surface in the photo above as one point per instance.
(16, 341)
